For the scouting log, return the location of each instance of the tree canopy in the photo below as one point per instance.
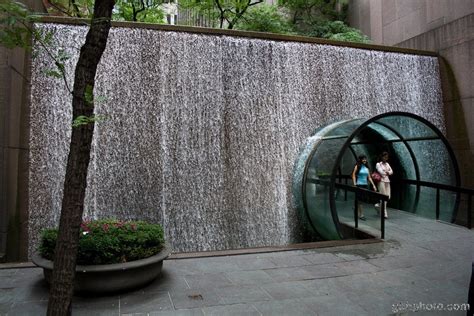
(149, 11)
(315, 18)
(226, 12)
(322, 18)
(265, 18)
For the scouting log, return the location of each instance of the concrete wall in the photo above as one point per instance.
(14, 150)
(390, 22)
(455, 44)
(443, 26)
(14, 145)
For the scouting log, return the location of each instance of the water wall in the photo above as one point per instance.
(201, 132)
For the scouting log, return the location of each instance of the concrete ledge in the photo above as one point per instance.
(222, 253)
(258, 35)
(17, 265)
(301, 246)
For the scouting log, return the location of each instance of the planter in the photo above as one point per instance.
(108, 278)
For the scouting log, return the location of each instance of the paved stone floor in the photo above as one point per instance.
(421, 261)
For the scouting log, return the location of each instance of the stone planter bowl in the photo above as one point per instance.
(107, 278)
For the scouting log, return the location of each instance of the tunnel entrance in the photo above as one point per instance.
(419, 154)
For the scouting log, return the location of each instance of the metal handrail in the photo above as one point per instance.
(378, 196)
(438, 187)
(441, 186)
(446, 187)
(371, 194)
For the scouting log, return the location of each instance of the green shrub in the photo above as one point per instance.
(109, 241)
(338, 31)
(265, 18)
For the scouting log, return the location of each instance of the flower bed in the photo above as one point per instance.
(109, 241)
(112, 256)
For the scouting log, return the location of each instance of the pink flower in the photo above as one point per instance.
(84, 227)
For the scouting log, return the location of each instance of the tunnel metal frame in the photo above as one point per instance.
(348, 145)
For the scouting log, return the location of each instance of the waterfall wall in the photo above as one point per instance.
(201, 132)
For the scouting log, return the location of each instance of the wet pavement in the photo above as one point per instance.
(423, 265)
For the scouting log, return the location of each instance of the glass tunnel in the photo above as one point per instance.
(419, 155)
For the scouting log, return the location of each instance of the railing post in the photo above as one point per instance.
(437, 204)
(356, 215)
(345, 191)
(400, 197)
(382, 219)
(469, 211)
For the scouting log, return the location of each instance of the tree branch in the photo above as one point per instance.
(48, 4)
(254, 3)
(20, 74)
(142, 8)
(238, 14)
(222, 13)
(76, 8)
(134, 13)
(48, 52)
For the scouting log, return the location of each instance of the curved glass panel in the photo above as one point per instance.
(347, 164)
(407, 126)
(426, 204)
(447, 205)
(433, 161)
(317, 198)
(435, 166)
(366, 150)
(345, 129)
(344, 201)
(407, 170)
(383, 131)
(403, 165)
(407, 197)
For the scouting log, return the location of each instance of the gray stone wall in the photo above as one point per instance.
(390, 22)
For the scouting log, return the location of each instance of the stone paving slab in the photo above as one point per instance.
(422, 260)
(243, 294)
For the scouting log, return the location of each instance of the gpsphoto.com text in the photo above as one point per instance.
(433, 307)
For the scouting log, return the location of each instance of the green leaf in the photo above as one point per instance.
(52, 73)
(60, 67)
(63, 55)
(48, 37)
(100, 99)
(84, 120)
(80, 120)
(13, 21)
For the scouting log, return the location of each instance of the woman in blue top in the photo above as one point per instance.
(361, 178)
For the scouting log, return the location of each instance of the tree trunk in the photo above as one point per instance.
(61, 291)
